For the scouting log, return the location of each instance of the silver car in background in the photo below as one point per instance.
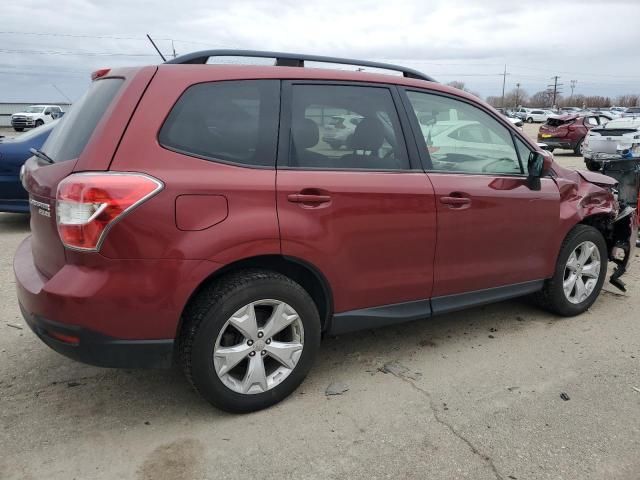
(616, 139)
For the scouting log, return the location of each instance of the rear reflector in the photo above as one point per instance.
(89, 204)
(61, 337)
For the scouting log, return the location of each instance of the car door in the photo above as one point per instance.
(493, 231)
(362, 213)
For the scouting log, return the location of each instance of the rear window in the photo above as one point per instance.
(235, 122)
(557, 122)
(68, 140)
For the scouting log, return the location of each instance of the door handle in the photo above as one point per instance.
(308, 198)
(455, 202)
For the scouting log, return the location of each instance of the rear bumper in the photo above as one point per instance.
(100, 350)
(112, 312)
(559, 142)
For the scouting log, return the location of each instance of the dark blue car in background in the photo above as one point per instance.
(13, 153)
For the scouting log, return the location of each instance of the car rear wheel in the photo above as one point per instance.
(578, 148)
(579, 275)
(249, 340)
(592, 165)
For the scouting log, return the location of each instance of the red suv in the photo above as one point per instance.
(568, 131)
(191, 213)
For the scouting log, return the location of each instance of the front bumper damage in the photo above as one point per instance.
(623, 242)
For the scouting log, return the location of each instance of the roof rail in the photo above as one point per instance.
(294, 60)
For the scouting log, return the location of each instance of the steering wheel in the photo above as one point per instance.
(486, 168)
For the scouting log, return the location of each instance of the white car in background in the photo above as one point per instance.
(35, 116)
(537, 115)
(459, 141)
(522, 113)
(611, 140)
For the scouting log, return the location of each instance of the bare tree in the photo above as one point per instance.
(461, 86)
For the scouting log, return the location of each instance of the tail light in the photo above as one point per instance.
(89, 204)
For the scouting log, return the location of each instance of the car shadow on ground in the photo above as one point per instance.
(95, 394)
(14, 223)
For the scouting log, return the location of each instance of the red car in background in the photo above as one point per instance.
(568, 131)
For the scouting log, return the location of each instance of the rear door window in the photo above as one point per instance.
(68, 140)
(335, 127)
(234, 122)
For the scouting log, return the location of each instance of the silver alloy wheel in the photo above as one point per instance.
(259, 346)
(581, 272)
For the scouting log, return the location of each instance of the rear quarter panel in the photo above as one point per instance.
(250, 227)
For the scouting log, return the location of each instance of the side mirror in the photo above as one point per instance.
(535, 167)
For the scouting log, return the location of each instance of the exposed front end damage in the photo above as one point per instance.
(624, 238)
(590, 198)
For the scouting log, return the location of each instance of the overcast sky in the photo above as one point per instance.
(59, 42)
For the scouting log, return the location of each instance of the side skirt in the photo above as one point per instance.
(384, 315)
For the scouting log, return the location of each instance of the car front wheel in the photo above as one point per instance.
(529, 120)
(248, 341)
(579, 275)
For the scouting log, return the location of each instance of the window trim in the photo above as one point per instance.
(286, 110)
(219, 160)
(422, 146)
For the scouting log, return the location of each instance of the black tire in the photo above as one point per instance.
(552, 296)
(18, 129)
(592, 165)
(578, 148)
(529, 120)
(207, 314)
(39, 123)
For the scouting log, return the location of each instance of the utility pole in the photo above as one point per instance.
(504, 80)
(572, 85)
(554, 89)
(517, 94)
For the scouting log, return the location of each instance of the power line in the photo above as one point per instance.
(66, 52)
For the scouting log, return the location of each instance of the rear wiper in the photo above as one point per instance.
(41, 155)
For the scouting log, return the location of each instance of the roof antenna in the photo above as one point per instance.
(156, 47)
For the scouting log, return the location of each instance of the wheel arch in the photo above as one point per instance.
(603, 223)
(298, 270)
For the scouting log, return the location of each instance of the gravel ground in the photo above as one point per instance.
(473, 395)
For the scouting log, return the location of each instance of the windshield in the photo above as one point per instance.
(33, 109)
(72, 135)
(556, 122)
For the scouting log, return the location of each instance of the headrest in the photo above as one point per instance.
(369, 135)
(305, 133)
